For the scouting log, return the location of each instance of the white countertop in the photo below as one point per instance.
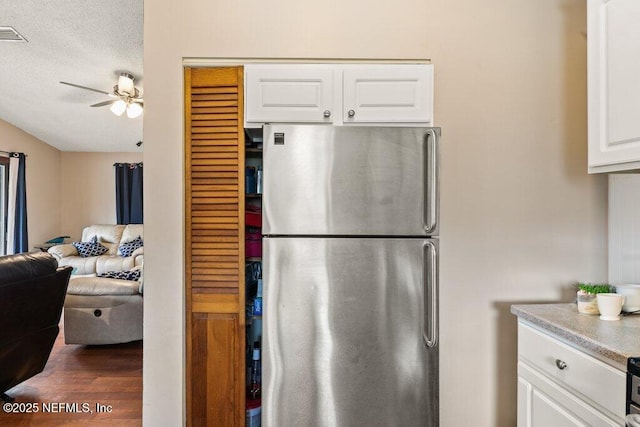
(612, 340)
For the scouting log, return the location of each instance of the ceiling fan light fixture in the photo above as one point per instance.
(118, 107)
(134, 110)
(125, 84)
(127, 97)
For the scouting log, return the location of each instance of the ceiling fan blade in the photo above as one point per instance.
(86, 88)
(138, 101)
(103, 103)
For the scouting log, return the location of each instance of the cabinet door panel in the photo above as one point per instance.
(549, 413)
(216, 353)
(214, 184)
(524, 401)
(391, 94)
(623, 68)
(545, 403)
(289, 94)
(214, 247)
(614, 92)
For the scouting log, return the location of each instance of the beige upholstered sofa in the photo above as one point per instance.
(101, 310)
(110, 236)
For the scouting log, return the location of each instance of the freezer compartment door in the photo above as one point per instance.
(349, 333)
(328, 180)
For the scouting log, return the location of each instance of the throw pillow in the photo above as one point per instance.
(127, 248)
(90, 248)
(123, 275)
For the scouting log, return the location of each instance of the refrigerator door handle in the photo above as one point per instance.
(430, 280)
(431, 189)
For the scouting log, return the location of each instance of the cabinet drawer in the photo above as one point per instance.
(582, 374)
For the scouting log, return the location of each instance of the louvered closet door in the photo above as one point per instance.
(214, 246)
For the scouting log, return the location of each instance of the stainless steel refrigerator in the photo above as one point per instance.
(350, 253)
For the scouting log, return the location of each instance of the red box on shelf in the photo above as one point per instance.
(253, 244)
(253, 219)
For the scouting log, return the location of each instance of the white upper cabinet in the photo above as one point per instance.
(614, 85)
(297, 93)
(339, 94)
(401, 94)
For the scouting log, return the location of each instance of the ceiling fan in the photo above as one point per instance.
(126, 97)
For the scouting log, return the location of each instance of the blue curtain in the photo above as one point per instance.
(21, 236)
(129, 193)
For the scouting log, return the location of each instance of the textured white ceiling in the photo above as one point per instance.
(86, 42)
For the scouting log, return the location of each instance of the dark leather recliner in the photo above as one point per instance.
(32, 293)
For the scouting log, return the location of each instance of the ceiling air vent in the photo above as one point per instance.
(9, 34)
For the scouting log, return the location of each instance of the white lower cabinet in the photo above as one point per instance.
(545, 403)
(558, 385)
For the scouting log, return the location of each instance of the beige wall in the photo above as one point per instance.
(88, 189)
(66, 191)
(43, 182)
(521, 219)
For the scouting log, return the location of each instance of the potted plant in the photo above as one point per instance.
(587, 301)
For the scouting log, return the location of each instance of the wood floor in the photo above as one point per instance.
(87, 376)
